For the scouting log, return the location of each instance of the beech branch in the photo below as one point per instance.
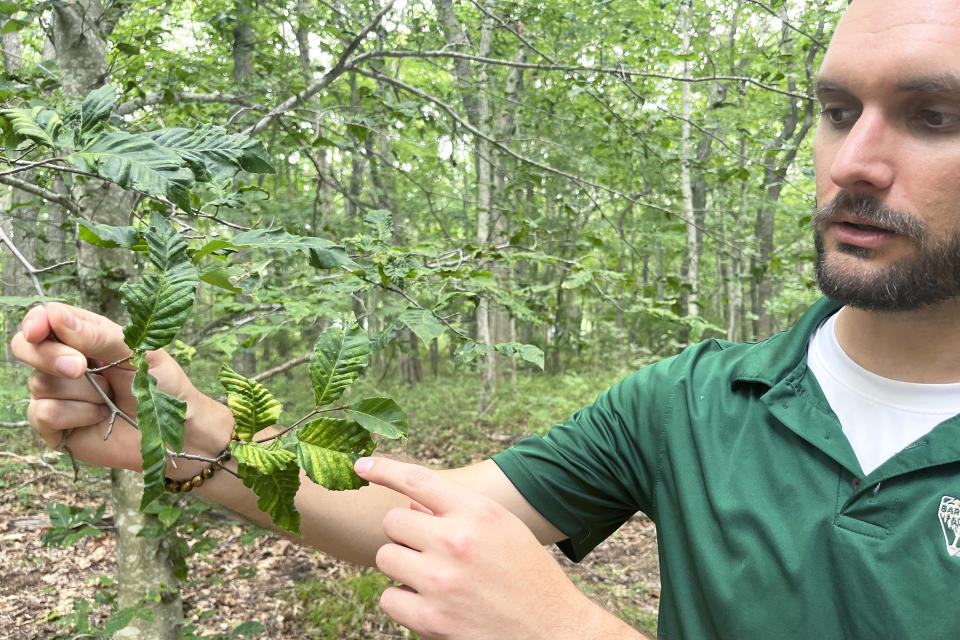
(161, 97)
(316, 87)
(621, 72)
(40, 192)
(461, 122)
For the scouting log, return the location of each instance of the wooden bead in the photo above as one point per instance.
(207, 473)
(197, 481)
(186, 486)
(171, 485)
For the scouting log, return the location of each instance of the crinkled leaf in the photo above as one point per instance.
(212, 153)
(107, 236)
(327, 449)
(527, 352)
(338, 358)
(380, 415)
(160, 418)
(423, 323)
(160, 303)
(322, 252)
(136, 161)
(38, 124)
(265, 458)
(275, 494)
(254, 408)
(96, 107)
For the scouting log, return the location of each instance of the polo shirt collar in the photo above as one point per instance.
(771, 360)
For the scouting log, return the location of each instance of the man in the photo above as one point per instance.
(795, 496)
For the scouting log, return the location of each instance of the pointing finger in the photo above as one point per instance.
(437, 494)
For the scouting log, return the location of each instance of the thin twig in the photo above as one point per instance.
(38, 461)
(416, 304)
(289, 364)
(299, 422)
(29, 165)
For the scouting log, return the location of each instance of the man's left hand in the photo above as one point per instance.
(470, 569)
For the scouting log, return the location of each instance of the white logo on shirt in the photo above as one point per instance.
(949, 514)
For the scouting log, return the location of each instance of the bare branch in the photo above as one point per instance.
(773, 12)
(622, 72)
(316, 87)
(526, 160)
(40, 192)
(20, 168)
(162, 97)
(289, 364)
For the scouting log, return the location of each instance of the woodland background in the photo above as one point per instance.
(594, 184)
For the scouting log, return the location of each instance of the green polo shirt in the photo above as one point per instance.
(766, 527)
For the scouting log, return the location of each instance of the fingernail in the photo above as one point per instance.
(70, 366)
(362, 465)
(72, 321)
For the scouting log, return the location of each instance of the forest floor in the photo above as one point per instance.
(294, 592)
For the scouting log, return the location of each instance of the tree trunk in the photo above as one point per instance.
(15, 280)
(692, 258)
(243, 43)
(142, 569)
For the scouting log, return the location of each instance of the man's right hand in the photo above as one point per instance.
(60, 342)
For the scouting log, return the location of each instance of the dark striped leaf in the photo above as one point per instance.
(275, 494)
(254, 408)
(38, 124)
(265, 458)
(96, 107)
(136, 161)
(161, 419)
(160, 303)
(338, 358)
(212, 153)
(327, 449)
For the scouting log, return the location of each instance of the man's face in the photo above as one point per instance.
(887, 156)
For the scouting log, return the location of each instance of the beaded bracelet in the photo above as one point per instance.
(186, 486)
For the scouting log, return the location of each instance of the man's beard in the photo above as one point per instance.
(929, 276)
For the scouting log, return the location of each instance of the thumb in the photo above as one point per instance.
(93, 335)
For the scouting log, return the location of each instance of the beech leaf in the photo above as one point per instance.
(254, 408)
(338, 358)
(159, 305)
(327, 449)
(380, 415)
(161, 419)
(275, 493)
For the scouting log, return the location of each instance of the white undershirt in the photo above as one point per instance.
(878, 415)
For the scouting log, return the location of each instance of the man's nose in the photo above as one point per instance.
(864, 162)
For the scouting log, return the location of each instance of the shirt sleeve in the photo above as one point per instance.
(590, 474)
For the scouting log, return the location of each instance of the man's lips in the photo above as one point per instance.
(853, 230)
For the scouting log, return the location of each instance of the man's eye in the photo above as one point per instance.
(933, 119)
(839, 116)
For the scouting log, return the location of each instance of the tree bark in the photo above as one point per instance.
(143, 569)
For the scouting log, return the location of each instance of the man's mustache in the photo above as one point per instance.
(872, 211)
